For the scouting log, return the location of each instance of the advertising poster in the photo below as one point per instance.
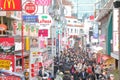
(34, 42)
(7, 62)
(7, 45)
(35, 64)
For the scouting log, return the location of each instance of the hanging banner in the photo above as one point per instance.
(11, 5)
(7, 45)
(7, 62)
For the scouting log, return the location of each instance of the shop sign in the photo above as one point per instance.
(43, 32)
(11, 5)
(2, 13)
(43, 2)
(9, 78)
(115, 42)
(30, 18)
(7, 62)
(15, 15)
(30, 7)
(7, 45)
(3, 27)
(45, 20)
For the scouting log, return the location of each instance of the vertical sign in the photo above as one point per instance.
(10, 5)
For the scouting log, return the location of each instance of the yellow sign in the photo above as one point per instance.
(5, 64)
(9, 3)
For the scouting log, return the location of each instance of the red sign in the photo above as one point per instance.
(9, 78)
(7, 45)
(43, 32)
(11, 5)
(30, 7)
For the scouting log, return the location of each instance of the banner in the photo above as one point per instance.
(7, 62)
(7, 45)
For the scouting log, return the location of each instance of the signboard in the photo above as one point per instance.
(2, 13)
(30, 7)
(45, 20)
(9, 78)
(11, 5)
(30, 18)
(35, 64)
(43, 32)
(7, 62)
(115, 42)
(7, 45)
(43, 2)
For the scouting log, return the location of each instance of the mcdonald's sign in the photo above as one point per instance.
(11, 5)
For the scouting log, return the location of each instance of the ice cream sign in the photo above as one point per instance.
(45, 20)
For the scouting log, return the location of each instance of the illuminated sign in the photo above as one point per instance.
(10, 5)
(30, 7)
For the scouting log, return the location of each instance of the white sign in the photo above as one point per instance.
(45, 20)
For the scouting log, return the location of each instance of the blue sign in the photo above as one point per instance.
(30, 18)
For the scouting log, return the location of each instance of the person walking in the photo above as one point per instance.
(83, 74)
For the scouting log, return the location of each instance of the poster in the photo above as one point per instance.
(35, 63)
(7, 62)
(7, 45)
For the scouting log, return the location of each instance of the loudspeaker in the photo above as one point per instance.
(116, 4)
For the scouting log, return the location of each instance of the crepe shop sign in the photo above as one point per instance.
(9, 78)
(45, 20)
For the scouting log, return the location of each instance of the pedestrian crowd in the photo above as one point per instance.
(80, 65)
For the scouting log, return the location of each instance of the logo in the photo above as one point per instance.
(30, 7)
(10, 5)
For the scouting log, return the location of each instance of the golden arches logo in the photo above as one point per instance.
(9, 3)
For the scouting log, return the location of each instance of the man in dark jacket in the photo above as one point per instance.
(83, 74)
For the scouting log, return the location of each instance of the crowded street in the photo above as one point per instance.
(73, 63)
(59, 39)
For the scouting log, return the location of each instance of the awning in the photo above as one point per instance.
(105, 57)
